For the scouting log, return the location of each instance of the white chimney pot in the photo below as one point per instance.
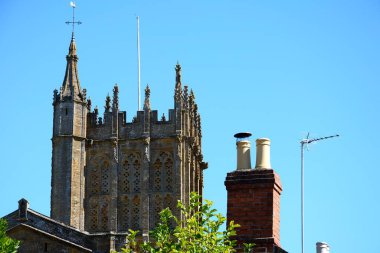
(263, 154)
(243, 155)
(323, 247)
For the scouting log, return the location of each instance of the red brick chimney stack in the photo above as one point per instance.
(254, 200)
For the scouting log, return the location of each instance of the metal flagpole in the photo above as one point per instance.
(302, 212)
(138, 62)
(303, 143)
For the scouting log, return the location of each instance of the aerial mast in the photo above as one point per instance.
(304, 142)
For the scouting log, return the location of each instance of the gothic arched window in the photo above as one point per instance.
(130, 177)
(162, 173)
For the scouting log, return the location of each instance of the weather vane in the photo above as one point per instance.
(73, 22)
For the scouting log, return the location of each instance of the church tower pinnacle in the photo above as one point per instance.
(71, 84)
(69, 156)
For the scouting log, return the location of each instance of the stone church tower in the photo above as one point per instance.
(69, 152)
(110, 175)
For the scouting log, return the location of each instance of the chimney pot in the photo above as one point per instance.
(243, 155)
(262, 154)
(243, 146)
(323, 247)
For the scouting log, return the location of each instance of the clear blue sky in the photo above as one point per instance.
(276, 68)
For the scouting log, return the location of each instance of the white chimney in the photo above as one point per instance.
(243, 147)
(323, 247)
(262, 154)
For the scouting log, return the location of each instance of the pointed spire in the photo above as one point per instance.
(73, 46)
(147, 98)
(115, 101)
(71, 85)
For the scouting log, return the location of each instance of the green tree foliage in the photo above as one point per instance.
(7, 245)
(198, 231)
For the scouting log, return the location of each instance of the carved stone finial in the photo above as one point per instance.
(115, 102)
(178, 73)
(61, 92)
(55, 95)
(163, 118)
(191, 99)
(195, 111)
(178, 89)
(89, 103)
(100, 121)
(84, 94)
(107, 107)
(147, 98)
(186, 96)
(95, 116)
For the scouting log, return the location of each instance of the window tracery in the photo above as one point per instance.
(125, 212)
(94, 181)
(137, 179)
(131, 174)
(157, 208)
(105, 178)
(169, 174)
(125, 176)
(136, 213)
(104, 216)
(162, 173)
(94, 217)
(157, 175)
